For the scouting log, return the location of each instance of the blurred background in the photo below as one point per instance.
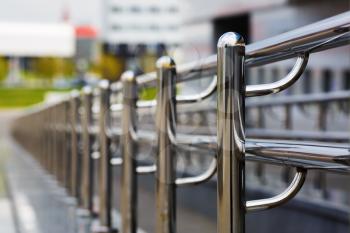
(48, 48)
(63, 44)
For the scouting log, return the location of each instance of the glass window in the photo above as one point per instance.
(135, 27)
(261, 75)
(173, 27)
(327, 80)
(135, 9)
(116, 27)
(275, 74)
(117, 9)
(346, 80)
(289, 91)
(173, 9)
(154, 9)
(307, 81)
(154, 27)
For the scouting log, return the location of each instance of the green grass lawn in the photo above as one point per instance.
(19, 97)
(23, 97)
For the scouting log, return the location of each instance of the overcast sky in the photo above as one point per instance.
(80, 11)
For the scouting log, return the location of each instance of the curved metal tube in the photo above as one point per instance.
(251, 90)
(95, 109)
(179, 99)
(146, 103)
(146, 169)
(280, 85)
(116, 107)
(116, 87)
(281, 198)
(201, 96)
(200, 178)
(196, 179)
(116, 161)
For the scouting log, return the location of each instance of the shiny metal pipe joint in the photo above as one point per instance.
(128, 196)
(105, 176)
(230, 134)
(166, 161)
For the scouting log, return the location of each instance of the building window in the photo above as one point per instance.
(135, 9)
(154, 27)
(117, 9)
(307, 82)
(173, 9)
(261, 75)
(327, 81)
(275, 74)
(136, 27)
(154, 9)
(291, 90)
(173, 28)
(116, 27)
(346, 80)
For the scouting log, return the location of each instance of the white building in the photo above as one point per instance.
(141, 22)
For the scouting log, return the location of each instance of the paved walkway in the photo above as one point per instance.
(7, 220)
(30, 200)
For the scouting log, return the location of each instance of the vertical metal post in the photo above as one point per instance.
(48, 140)
(260, 167)
(128, 190)
(67, 149)
(74, 143)
(288, 117)
(320, 180)
(60, 144)
(55, 141)
(48, 133)
(261, 118)
(40, 121)
(53, 119)
(230, 133)
(165, 121)
(51, 155)
(87, 163)
(287, 171)
(105, 157)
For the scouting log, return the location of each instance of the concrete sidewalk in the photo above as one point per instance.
(30, 200)
(7, 215)
(7, 220)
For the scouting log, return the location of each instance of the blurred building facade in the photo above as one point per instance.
(258, 20)
(127, 34)
(138, 31)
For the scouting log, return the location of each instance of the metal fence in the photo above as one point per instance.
(74, 139)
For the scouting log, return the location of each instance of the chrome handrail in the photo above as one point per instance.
(280, 85)
(282, 198)
(281, 47)
(230, 149)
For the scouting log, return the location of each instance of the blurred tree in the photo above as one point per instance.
(50, 67)
(67, 67)
(109, 66)
(44, 67)
(4, 68)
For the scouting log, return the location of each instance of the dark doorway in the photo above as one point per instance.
(237, 23)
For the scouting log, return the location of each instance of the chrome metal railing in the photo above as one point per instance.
(69, 137)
